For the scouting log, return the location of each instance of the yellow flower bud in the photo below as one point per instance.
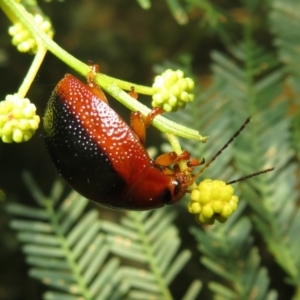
(194, 207)
(207, 211)
(17, 135)
(195, 195)
(22, 39)
(18, 119)
(217, 206)
(212, 200)
(167, 107)
(172, 90)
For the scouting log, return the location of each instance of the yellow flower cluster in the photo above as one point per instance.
(212, 200)
(18, 119)
(22, 38)
(172, 90)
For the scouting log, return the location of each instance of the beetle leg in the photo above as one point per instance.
(170, 158)
(132, 93)
(195, 162)
(139, 122)
(91, 83)
(153, 113)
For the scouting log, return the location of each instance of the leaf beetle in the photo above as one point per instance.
(103, 158)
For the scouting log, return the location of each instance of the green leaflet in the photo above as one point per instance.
(247, 82)
(72, 251)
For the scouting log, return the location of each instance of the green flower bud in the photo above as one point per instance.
(22, 39)
(173, 101)
(191, 84)
(157, 98)
(167, 107)
(184, 96)
(18, 119)
(17, 135)
(212, 200)
(24, 124)
(172, 90)
(182, 83)
(175, 90)
(7, 139)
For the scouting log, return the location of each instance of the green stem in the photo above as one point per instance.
(17, 11)
(111, 85)
(37, 61)
(174, 143)
(159, 122)
(177, 148)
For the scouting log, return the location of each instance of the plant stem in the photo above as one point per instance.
(159, 122)
(177, 148)
(17, 11)
(113, 86)
(37, 61)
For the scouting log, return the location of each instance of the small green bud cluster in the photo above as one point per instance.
(18, 119)
(172, 90)
(212, 200)
(22, 38)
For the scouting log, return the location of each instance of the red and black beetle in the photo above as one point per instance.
(101, 157)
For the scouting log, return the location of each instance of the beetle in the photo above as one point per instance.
(101, 157)
(104, 159)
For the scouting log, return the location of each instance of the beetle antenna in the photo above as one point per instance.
(224, 147)
(251, 175)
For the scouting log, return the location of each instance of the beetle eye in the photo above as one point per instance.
(166, 196)
(177, 187)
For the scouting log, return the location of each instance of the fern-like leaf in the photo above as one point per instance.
(65, 249)
(248, 82)
(150, 238)
(285, 21)
(235, 259)
(69, 250)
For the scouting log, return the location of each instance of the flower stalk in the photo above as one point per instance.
(16, 11)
